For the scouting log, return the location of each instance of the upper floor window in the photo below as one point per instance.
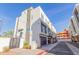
(73, 25)
(49, 31)
(20, 30)
(77, 14)
(43, 28)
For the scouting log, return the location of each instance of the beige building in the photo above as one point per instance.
(35, 27)
(74, 24)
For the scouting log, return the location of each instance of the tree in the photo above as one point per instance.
(8, 33)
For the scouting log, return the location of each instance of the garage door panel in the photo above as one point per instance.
(43, 40)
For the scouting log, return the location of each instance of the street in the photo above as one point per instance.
(65, 48)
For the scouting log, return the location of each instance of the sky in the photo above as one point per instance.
(58, 13)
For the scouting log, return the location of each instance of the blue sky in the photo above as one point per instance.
(58, 14)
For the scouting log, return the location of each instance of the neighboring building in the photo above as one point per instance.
(74, 24)
(63, 35)
(35, 27)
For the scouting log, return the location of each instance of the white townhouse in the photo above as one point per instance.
(35, 27)
(74, 24)
(73, 29)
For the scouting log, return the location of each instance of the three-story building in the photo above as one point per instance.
(35, 27)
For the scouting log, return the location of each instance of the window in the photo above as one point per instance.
(43, 28)
(49, 31)
(78, 17)
(73, 25)
(77, 14)
(20, 30)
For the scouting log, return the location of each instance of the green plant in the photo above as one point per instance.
(26, 45)
(8, 33)
(6, 49)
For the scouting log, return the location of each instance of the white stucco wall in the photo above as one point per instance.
(4, 42)
(35, 28)
(22, 24)
(21, 43)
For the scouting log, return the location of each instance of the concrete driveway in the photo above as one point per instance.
(19, 51)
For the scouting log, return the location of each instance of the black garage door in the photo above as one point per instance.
(43, 40)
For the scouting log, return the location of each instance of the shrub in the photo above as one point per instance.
(26, 45)
(6, 49)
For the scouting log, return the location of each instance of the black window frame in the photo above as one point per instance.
(45, 28)
(73, 25)
(77, 14)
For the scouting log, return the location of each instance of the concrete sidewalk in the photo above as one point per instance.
(19, 51)
(74, 49)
